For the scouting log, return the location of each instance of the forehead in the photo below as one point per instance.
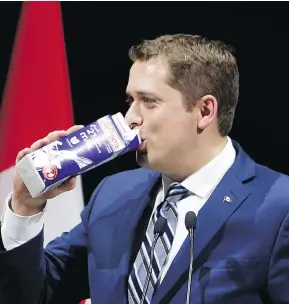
(146, 76)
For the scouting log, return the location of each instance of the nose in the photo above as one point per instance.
(133, 117)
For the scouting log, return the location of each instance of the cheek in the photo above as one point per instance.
(165, 134)
(166, 128)
(177, 135)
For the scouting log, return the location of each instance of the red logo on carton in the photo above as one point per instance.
(50, 172)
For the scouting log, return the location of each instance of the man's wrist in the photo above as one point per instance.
(27, 208)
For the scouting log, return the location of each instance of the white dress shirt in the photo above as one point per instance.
(17, 230)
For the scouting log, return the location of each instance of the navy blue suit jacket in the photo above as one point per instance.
(241, 247)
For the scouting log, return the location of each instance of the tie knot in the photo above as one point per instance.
(175, 189)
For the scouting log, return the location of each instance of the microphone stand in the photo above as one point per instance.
(189, 286)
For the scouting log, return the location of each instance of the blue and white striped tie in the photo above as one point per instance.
(167, 209)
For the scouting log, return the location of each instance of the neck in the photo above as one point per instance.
(202, 154)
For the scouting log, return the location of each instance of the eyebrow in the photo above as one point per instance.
(141, 93)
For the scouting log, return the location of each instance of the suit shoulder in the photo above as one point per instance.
(278, 183)
(133, 176)
(266, 172)
(126, 180)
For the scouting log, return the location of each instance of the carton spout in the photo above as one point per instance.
(126, 132)
(136, 133)
(132, 134)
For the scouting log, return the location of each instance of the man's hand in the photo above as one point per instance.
(22, 203)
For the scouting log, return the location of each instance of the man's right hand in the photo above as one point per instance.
(22, 203)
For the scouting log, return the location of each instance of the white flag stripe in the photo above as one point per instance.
(63, 212)
(6, 186)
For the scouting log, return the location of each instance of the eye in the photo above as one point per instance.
(129, 101)
(148, 100)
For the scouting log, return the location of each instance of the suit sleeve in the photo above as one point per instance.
(278, 277)
(30, 274)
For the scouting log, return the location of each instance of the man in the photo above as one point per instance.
(182, 94)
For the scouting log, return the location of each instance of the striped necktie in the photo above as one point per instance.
(167, 209)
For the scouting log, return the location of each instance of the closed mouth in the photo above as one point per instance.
(142, 145)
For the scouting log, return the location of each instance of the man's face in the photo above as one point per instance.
(167, 129)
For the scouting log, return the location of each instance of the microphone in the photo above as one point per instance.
(159, 230)
(191, 223)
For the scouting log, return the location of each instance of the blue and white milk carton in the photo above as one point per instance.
(76, 153)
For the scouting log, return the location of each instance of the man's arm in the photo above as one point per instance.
(31, 275)
(28, 273)
(278, 277)
(17, 230)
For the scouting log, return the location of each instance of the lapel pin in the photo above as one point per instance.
(227, 199)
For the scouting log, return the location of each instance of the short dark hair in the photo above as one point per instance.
(197, 67)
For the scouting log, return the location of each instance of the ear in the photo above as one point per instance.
(208, 108)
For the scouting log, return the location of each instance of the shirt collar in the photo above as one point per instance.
(204, 181)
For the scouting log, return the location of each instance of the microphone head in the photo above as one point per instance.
(191, 220)
(160, 225)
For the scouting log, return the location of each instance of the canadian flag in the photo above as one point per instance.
(36, 101)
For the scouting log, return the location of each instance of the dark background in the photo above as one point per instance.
(98, 36)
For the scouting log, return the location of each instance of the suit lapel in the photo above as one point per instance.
(115, 220)
(224, 201)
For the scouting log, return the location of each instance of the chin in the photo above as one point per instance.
(142, 158)
(143, 161)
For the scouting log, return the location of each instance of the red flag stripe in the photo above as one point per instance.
(37, 96)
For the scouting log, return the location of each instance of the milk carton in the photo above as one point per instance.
(76, 153)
